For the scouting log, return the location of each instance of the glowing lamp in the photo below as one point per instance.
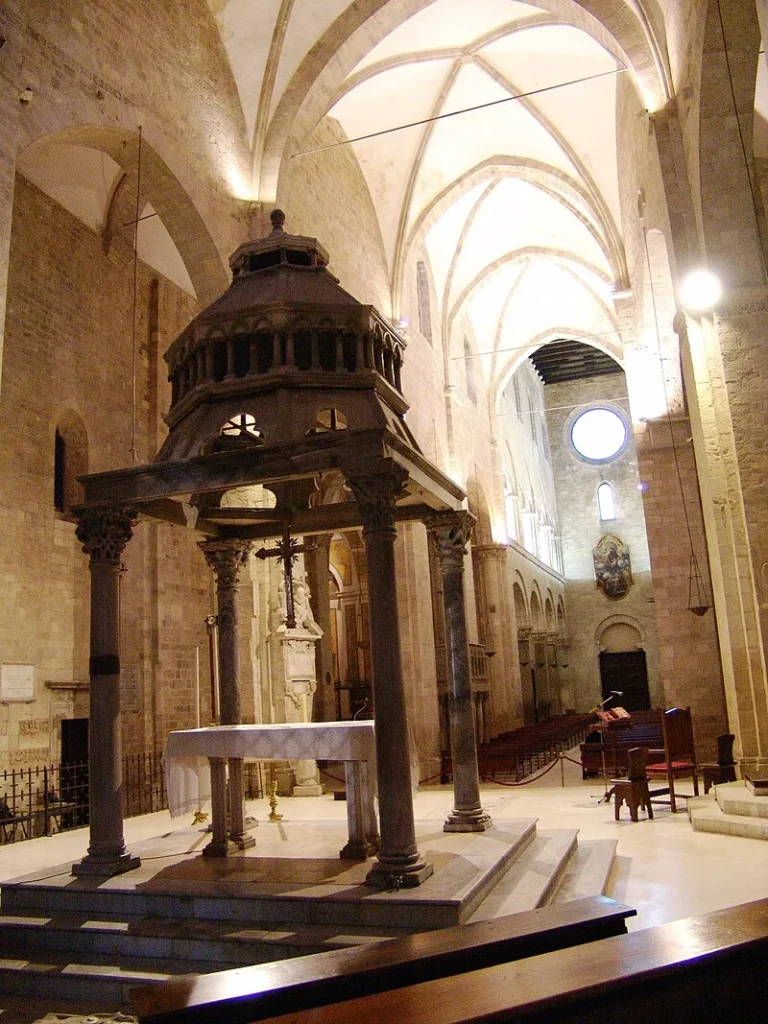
(700, 291)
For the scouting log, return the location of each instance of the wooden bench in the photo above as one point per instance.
(701, 970)
(250, 994)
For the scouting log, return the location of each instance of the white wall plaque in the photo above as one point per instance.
(17, 682)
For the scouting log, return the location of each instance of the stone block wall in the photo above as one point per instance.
(69, 348)
(589, 610)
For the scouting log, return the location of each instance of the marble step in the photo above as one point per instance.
(58, 978)
(214, 945)
(467, 868)
(532, 878)
(588, 870)
(705, 815)
(736, 798)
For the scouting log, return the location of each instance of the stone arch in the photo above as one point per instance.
(622, 626)
(478, 506)
(612, 348)
(537, 614)
(619, 27)
(561, 619)
(521, 607)
(549, 612)
(162, 189)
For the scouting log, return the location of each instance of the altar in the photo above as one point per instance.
(196, 770)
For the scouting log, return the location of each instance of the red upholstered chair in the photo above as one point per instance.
(679, 754)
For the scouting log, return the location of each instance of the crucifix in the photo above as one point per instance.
(287, 550)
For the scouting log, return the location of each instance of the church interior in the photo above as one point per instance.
(403, 393)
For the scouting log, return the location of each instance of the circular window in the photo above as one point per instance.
(599, 435)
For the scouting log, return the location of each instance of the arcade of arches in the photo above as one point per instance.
(530, 252)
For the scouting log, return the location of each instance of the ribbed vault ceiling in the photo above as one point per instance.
(515, 205)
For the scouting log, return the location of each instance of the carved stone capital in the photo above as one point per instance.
(226, 557)
(449, 534)
(376, 493)
(104, 533)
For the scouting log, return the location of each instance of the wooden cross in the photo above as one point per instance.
(287, 550)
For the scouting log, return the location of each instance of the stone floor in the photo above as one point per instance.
(663, 868)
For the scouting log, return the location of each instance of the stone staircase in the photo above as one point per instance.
(74, 944)
(732, 809)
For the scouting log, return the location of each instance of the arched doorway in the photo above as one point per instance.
(623, 667)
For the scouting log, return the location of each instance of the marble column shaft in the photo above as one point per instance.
(449, 535)
(399, 860)
(316, 561)
(227, 558)
(104, 534)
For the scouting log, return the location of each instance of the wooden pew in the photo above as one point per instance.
(250, 994)
(701, 970)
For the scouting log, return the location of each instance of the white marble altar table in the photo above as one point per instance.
(188, 754)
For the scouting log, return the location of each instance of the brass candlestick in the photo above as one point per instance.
(273, 815)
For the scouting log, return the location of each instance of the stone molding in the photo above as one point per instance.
(449, 535)
(104, 533)
(226, 557)
(376, 493)
(491, 552)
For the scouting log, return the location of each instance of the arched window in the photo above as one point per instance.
(70, 460)
(470, 371)
(422, 292)
(518, 398)
(605, 502)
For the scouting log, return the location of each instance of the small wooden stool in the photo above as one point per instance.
(633, 790)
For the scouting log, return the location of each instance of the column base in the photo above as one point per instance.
(105, 865)
(360, 849)
(242, 840)
(467, 821)
(307, 790)
(390, 877)
(219, 848)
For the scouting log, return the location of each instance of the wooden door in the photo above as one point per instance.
(625, 671)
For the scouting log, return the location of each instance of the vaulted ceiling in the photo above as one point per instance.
(515, 204)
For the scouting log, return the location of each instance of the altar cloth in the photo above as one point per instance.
(187, 754)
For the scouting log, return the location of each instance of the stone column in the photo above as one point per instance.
(104, 534)
(449, 535)
(317, 550)
(227, 557)
(399, 861)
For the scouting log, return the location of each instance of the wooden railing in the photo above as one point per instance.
(702, 970)
(249, 994)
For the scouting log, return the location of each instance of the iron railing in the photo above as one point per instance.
(44, 799)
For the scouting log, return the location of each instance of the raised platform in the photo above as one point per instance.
(287, 876)
(89, 940)
(734, 809)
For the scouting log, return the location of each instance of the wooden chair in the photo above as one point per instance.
(724, 768)
(633, 790)
(679, 754)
